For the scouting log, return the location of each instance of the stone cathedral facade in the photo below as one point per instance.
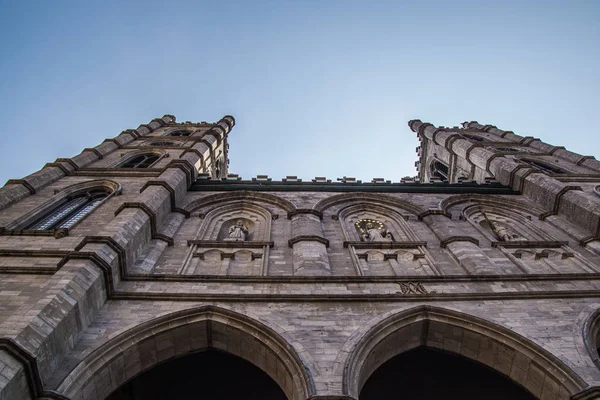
(143, 269)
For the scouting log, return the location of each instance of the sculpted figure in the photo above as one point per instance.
(372, 234)
(504, 234)
(237, 231)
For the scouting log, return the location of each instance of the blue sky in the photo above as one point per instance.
(318, 88)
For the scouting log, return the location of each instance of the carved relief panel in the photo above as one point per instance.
(381, 243)
(528, 246)
(233, 240)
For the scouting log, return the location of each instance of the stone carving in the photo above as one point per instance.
(504, 234)
(412, 288)
(373, 231)
(237, 231)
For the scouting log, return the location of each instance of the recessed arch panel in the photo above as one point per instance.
(352, 198)
(258, 197)
(141, 348)
(499, 348)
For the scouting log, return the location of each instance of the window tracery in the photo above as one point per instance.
(70, 211)
(140, 161)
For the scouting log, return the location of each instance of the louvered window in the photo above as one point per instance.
(70, 211)
(439, 170)
(141, 161)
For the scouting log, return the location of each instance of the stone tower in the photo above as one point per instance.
(143, 269)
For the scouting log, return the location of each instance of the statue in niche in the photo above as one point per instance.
(504, 234)
(373, 231)
(237, 231)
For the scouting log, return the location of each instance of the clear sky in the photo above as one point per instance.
(318, 88)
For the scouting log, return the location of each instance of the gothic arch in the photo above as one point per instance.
(217, 216)
(591, 336)
(391, 217)
(164, 338)
(497, 347)
(351, 198)
(160, 153)
(221, 198)
(517, 220)
(505, 202)
(112, 188)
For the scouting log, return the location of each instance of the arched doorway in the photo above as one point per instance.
(175, 336)
(428, 374)
(490, 346)
(209, 374)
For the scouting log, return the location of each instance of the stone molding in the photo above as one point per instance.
(293, 361)
(451, 239)
(385, 245)
(308, 238)
(555, 207)
(221, 198)
(530, 244)
(591, 393)
(365, 341)
(298, 211)
(153, 220)
(34, 381)
(230, 244)
(172, 195)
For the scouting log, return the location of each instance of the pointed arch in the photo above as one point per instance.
(216, 216)
(518, 220)
(398, 225)
(181, 333)
(493, 201)
(146, 158)
(499, 348)
(221, 198)
(591, 336)
(93, 193)
(351, 198)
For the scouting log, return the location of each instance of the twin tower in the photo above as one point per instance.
(143, 269)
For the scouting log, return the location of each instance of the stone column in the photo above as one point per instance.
(310, 247)
(463, 247)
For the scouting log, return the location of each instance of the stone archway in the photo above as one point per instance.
(511, 355)
(209, 374)
(182, 333)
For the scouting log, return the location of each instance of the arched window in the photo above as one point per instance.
(546, 167)
(439, 170)
(141, 161)
(70, 211)
(179, 133)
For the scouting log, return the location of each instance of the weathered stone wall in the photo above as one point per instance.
(505, 272)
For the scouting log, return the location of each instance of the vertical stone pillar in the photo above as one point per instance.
(310, 247)
(463, 247)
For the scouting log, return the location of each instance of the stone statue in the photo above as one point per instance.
(237, 231)
(372, 234)
(504, 234)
